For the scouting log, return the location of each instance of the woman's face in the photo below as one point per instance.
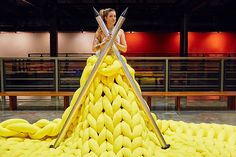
(111, 18)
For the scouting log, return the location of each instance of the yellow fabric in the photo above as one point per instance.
(109, 123)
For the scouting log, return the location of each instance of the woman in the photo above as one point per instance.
(109, 17)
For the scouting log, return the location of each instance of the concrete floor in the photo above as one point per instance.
(194, 110)
(219, 117)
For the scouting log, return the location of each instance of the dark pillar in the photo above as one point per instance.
(53, 43)
(66, 102)
(53, 31)
(13, 102)
(184, 37)
(231, 102)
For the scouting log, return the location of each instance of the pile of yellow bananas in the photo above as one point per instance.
(109, 123)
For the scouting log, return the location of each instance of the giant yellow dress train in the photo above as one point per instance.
(109, 123)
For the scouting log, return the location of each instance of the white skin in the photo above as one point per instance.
(100, 39)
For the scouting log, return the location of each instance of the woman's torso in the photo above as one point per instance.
(102, 37)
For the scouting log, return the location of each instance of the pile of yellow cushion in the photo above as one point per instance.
(109, 123)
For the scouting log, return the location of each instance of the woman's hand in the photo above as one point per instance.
(105, 40)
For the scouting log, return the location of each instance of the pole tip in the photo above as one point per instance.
(124, 12)
(166, 147)
(95, 12)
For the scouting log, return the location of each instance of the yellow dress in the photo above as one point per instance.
(109, 123)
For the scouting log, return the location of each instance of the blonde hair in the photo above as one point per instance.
(104, 13)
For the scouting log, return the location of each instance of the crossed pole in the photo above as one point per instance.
(143, 103)
(84, 90)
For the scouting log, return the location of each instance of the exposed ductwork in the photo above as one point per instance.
(150, 15)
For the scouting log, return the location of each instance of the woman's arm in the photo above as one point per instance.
(122, 46)
(97, 45)
(96, 42)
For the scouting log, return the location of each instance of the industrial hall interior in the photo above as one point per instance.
(117, 78)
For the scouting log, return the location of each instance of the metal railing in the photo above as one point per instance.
(152, 73)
